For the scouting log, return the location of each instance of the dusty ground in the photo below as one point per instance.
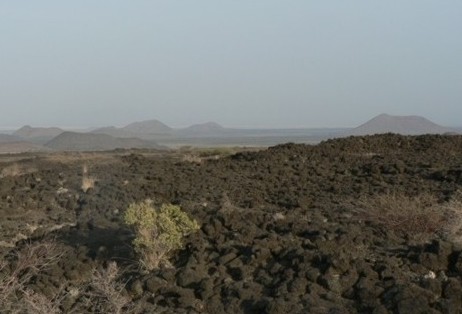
(290, 229)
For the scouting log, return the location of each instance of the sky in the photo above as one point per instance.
(240, 63)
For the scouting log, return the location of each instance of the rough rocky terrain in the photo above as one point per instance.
(283, 230)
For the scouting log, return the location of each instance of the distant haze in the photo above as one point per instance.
(251, 64)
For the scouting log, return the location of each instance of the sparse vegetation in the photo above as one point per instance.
(192, 158)
(198, 155)
(88, 182)
(405, 215)
(15, 170)
(216, 152)
(453, 209)
(107, 291)
(11, 171)
(158, 231)
(35, 302)
(103, 291)
(16, 274)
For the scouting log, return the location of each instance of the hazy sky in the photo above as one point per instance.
(241, 63)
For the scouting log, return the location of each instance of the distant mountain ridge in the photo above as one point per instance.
(7, 138)
(151, 129)
(208, 128)
(32, 132)
(141, 134)
(73, 141)
(151, 133)
(12, 144)
(405, 125)
(113, 131)
(148, 127)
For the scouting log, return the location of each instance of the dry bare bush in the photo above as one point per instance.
(85, 169)
(102, 292)
(11, 171)
(192, 158)
(33, 302)
(453, 208)
(88, 182)
(278, 216)
(15, 170)
(78, 157)
(199, 155)
(107, 291)
(404, 215)
(16, 275)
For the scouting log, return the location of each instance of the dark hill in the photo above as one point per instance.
(72, 141)
(7, 138)
(29, 132)
(405, 125)
(209, 128)
(13, 144)
(113, 131)
(148, 127)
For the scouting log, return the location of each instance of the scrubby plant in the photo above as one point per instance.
(88, 182)
(418, 216)
(107, 292)
(16, 274)
(158, 231)
(102, 293)
(453, 229)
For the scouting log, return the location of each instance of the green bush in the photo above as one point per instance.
(158, 231)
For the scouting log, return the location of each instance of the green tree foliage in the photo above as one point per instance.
(158, 231)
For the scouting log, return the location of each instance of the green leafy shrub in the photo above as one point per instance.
(158, 231)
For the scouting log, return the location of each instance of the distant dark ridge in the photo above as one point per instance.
(209, 128)
(148, 127)
(72, 141)
(7, 138)
(405, 125)
(113, 131)
(31, 132)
